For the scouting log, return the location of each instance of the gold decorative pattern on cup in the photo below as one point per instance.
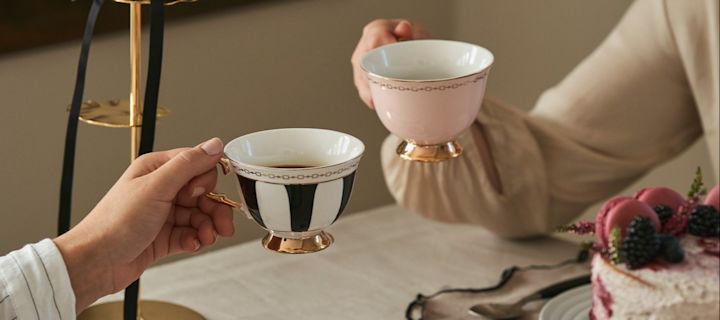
(443, 87)
(327, 174)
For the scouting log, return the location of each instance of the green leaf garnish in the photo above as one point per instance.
(697, 188)
(614, 245)
(580, 227)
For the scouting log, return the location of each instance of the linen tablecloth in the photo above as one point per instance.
(380, 260)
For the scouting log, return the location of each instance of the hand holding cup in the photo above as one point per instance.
(375, 34)
(294, 182)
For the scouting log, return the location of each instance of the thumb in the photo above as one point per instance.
(186, 165)
(406, 30)
(403, 30)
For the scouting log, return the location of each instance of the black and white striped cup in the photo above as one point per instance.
(295, 182)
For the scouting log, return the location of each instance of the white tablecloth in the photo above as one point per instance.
(380, 260)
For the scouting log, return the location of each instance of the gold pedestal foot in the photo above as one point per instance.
(312, 243)
(112, 113)
(149, 310)
(429, 153)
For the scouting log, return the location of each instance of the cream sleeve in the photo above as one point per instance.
(622, 111)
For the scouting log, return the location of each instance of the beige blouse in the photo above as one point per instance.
(645, 95)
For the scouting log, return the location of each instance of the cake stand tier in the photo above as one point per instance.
(113, 113)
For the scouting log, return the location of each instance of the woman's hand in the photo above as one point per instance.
(157, 208)
(375, 34)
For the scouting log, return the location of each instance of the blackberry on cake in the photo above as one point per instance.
(640, 245)
(704, 222)
(664, 213)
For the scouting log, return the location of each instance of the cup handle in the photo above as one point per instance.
(221, 197)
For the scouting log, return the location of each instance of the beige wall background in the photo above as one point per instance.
(281, 64)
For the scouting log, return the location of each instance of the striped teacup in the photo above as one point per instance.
(294, 182)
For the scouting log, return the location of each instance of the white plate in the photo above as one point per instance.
(570, 305)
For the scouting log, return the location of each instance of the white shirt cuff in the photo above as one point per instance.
(37, 283)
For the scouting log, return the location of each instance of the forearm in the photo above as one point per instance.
(88, 267)
(486, 156)
(498, 181)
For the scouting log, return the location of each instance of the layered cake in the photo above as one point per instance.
(657, 255)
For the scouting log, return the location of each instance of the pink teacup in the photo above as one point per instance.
(428, 92)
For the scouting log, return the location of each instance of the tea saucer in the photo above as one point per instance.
(573, 304)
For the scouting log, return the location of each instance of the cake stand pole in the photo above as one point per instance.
(135, 72)
(146, 309)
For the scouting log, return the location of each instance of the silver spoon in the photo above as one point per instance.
(514, 310)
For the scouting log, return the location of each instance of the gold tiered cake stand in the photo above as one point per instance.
(127, 113)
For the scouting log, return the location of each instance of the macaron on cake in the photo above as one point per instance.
(713, 198)
(660, 196)
(656, 255)
(619, 212)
